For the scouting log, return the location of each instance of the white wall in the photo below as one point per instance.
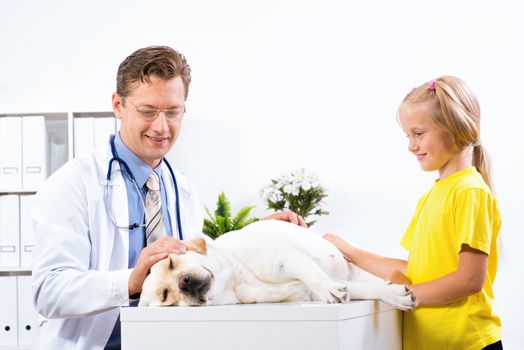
(283, 84)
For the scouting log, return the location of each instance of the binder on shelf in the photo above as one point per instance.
(57, 152)
(9, 231)
(26, 231)
(83, 130)
(103, 127)
(8, 315)
(10, 153)
(34, 151)
(27, 314)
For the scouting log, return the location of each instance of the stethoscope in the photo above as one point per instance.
(122, 163)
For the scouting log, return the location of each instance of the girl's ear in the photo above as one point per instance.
(196, 245)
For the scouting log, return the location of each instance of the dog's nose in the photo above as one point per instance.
(195, 287)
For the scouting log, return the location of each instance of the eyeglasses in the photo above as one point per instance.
(151, 114)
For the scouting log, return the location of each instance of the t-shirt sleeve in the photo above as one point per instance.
(476, 219)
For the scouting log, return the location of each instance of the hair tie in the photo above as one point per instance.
(431, 85)
(476, 143)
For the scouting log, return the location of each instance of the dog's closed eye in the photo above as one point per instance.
(165, 292)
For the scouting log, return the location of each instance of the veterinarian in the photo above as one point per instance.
(91, 252)
(453, 237)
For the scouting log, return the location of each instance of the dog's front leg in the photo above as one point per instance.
(396, 295)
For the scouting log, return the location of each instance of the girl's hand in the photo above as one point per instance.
(340, 243)
(335, 239)
(398, 277)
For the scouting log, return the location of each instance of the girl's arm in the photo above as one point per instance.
(375, 264)
(466, 280)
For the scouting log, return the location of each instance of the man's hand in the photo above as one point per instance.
(149, 256)
(288, 216)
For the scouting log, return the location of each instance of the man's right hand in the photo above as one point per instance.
(149, 256)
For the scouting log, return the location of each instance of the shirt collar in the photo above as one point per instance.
(138, 167)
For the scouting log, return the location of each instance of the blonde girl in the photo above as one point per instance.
(452, 239)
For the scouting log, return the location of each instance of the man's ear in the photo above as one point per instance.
(197, 245)
(116, 102)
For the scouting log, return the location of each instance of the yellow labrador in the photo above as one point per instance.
(267, 261)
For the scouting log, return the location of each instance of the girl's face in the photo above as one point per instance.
(431, 144)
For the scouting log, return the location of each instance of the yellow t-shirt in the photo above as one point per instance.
(457, 210)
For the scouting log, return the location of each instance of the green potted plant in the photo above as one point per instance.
(221, 221)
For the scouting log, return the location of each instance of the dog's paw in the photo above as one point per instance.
(399, 296)
(333, 292)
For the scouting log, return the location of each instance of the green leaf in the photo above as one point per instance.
(311, 223)
(240, 219)
(211, 217)
(224, 211)
(209, 228)
(223, 206)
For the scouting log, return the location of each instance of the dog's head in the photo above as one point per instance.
(179, 279)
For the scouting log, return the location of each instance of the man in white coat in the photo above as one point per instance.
(91, 254)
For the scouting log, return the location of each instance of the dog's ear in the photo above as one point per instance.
(166, 264)
(197, 245)
(171, 265)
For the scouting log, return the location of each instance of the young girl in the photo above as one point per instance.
(453, 237)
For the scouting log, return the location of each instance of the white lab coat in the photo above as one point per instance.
(80, 263)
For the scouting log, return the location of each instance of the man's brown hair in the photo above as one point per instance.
(161, 61)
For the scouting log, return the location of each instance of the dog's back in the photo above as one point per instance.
(260, 244)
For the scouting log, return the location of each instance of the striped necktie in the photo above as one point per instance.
(155, 227)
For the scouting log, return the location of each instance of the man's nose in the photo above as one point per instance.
(160, 121)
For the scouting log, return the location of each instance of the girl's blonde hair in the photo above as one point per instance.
(454, 107)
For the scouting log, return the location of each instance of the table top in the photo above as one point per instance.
(255, 312)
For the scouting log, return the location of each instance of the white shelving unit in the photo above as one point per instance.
(61, 138)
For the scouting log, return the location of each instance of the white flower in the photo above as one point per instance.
(292, 188)
(306, 186)
(298, 177)
(311, 178)
(268, 191)
(284, 180)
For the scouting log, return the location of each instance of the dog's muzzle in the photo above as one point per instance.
(195, 287)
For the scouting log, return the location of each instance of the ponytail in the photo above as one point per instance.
(482, 163)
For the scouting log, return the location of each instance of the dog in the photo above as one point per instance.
(265, 262)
